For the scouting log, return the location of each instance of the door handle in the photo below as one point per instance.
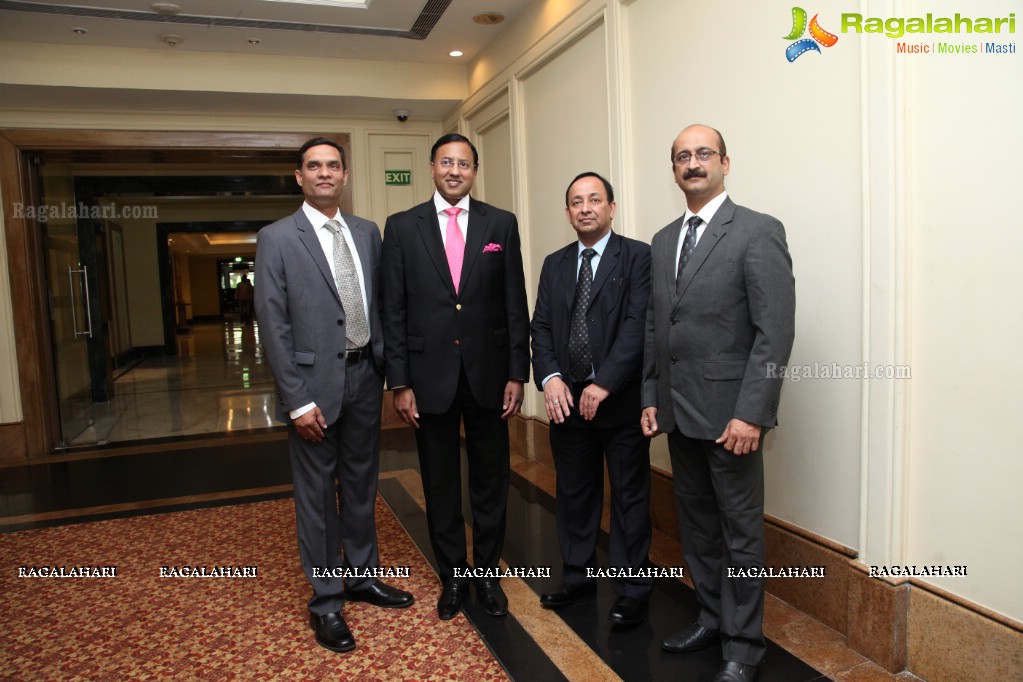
(83, 278)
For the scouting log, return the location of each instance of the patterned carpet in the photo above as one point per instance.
(140, 626)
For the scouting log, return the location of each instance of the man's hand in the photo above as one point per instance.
(311, 425)
(591, 398)
(739, 437)
(557, 399)
(648, 422)
(405, 406)
(512, 399)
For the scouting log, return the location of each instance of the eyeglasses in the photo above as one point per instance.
(448, 164)
(702, 155)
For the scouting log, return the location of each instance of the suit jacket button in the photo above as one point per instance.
(340, 322)
(674, 320)
(674, 359)
(458, 342)
(340, 355)
(458, 306)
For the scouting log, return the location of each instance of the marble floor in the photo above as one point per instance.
(218, 382)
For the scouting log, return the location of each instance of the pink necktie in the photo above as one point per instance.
(454, 246)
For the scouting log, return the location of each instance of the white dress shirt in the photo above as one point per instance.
(326, 238)
(706, 215)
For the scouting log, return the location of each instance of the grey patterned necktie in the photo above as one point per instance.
(357, 328)
(688, 245)
(580, 357)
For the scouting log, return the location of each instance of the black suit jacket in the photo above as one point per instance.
(616, 316)
(429, 331)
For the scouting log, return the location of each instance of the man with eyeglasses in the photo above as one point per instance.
(456, 336)
(722, 309)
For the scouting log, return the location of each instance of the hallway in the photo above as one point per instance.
(218, 382)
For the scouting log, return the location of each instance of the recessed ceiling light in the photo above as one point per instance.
(78, 30)
(165, 8)
(489, 18)
(455, 53)
(172, 39)
(254, 41)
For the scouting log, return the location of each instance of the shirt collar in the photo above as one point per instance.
(598, 247)
(317, 219)
(441, 204)
(707, 212)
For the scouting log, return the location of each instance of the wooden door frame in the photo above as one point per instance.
(40, 426)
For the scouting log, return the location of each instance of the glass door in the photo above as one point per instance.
(70, 281)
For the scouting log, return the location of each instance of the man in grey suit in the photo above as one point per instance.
(318, 306)
(722, 308)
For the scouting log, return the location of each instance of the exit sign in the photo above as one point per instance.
(398, 177)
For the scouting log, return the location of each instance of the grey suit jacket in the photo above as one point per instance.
(708, 342)
(301, 319)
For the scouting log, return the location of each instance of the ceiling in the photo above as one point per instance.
(423, 31)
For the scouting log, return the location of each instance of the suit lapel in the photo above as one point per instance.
(307, 235)
(668, 258)
(716, 229)
(364, 249)
(567, 274)
(429, 231)
(608, 261)
(477, 229)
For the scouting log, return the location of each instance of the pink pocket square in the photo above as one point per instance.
(492, 248)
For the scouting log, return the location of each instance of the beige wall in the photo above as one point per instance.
(10, 395)
(849, 149)
(965, 329)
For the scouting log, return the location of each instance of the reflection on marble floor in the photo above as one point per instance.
(219, 381)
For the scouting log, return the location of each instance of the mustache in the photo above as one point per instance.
(694, 173)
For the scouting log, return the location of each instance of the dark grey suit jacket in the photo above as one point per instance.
(301, 320)
(709, 343)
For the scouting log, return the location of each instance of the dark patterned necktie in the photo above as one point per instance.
(579, 355)
(688, 245)
(357, 327)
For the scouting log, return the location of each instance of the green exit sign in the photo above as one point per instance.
(398, 177)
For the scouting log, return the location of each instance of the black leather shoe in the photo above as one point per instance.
(627, 611)
(732, 671)
(492, 596)
(381, 594)
(692, 638)
(450, 602)
(332, 632)
(567, 594)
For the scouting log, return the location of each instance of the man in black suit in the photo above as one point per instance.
(722, 310)
(588, 329)
(319, 319)
(456, 332)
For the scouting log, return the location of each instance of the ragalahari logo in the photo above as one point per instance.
(818, 36)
